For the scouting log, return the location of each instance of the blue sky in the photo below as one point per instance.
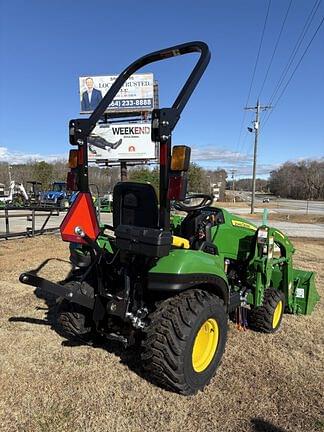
(46, 45)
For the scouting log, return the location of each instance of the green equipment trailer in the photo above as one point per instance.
(169, 283)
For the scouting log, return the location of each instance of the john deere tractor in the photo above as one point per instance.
(169, 283)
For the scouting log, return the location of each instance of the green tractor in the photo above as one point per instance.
(169, 283)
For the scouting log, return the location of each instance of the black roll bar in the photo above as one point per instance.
(185, 93)
(80, 129)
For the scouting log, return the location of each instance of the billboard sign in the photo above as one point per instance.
(135, 95)
(113, 142)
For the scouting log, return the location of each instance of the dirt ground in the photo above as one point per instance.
(265, 382)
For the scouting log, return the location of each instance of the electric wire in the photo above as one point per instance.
(296, 47)
(259, 50)
(253, 73)
(296, 67)
(293, 54)
(292, 57)
(275, 49)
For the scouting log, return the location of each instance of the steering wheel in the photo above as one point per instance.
(206, 201)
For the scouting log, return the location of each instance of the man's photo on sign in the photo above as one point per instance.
(91, 96)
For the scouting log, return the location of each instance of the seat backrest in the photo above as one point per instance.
(135, 204)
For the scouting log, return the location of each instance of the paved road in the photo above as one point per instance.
(283, 205)
(289, 228)
(300, 206)
(297, 229)
(284, 210)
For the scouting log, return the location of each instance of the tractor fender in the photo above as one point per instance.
(183, 269)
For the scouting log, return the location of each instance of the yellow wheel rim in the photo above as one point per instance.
(205, 345)
(277, 315)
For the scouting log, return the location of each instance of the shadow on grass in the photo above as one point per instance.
(259, 425)
(129, 356)
(50, 299)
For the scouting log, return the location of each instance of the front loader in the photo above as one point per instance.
(169, 283)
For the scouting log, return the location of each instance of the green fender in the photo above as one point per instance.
(185, 268)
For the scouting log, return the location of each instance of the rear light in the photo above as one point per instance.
(73, 158)
(80, 221)
(76, 158)
(72, 181)
(80, 156)
(180, 159)
(177, 187)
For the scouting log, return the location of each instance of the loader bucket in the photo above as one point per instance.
(306, 295)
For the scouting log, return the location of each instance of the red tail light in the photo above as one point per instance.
(177, 187)
(71, 181)
(80, 220)
(80, 156)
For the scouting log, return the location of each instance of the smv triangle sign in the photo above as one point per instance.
(81, 219)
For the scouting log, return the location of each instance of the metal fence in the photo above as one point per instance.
(31, 215)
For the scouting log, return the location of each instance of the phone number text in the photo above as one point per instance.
(131, 103)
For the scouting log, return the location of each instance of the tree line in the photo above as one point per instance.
(296, 180)
(199, 179)
(245, 184)
(301, 180)
(47, 173)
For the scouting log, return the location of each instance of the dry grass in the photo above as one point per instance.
(48, 385)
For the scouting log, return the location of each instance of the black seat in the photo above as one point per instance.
(135, 204)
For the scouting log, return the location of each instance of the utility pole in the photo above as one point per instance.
(9, 173)
(209, 183)
(233, 171)
(123, 171)
(258, 108)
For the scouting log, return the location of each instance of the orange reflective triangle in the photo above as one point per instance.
(81, 216)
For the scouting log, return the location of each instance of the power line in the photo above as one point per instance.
(299, 41)
(259, 50)
(297, 65)
(293, 54)
(275, 48)
(254, 70)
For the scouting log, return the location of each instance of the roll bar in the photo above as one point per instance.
(163, 120)
(85, 126)
(186, 90)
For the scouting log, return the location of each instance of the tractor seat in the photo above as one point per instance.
(135, 204)
(136, 221)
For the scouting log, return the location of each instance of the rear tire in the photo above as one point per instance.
(267, 318)
(185, 340)
(75, 321)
